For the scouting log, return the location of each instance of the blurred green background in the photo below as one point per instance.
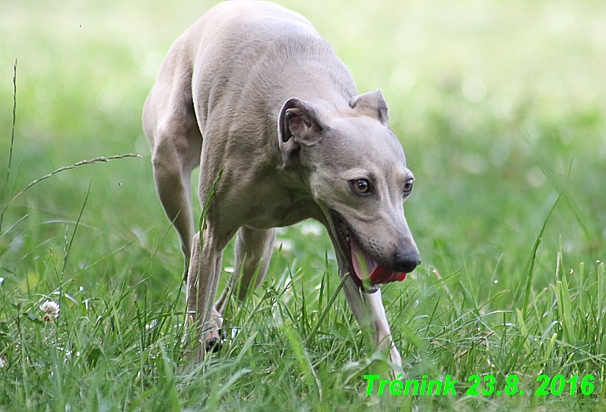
(487, 98)
(500, 107)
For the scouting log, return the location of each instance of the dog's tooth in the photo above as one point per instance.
(344, 229)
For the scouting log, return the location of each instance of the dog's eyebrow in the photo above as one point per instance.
(406, 175)
(359, 173)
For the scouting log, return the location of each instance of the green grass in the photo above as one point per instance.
(501, 109)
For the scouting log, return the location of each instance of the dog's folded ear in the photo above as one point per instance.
(371, 104)
(299, 124)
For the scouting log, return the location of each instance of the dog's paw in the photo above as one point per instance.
(214, 339)
(213, 345)
(214, 342)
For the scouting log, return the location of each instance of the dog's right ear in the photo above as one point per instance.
(299, 124)
(371, 104)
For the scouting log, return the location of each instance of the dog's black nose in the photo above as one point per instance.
(406, 261)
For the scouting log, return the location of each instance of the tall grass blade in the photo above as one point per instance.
(327, 309)
(100, 159)
(206, 206)
(601, 309)
(533, 256)
(561, 187)
(564, 309)
(523, 329)
(10, 150)
(232, 380)
(246, 347)
(170, 382)
(582, 286)
(68, 247)
(601, 288)
(549, 349)
(304, 363)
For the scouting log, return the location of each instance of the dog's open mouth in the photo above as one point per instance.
(367, 273)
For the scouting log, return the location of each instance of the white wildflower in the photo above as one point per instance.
(152, 324)
(3, 362)
(51, 310)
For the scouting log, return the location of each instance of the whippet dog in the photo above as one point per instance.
(254, 96)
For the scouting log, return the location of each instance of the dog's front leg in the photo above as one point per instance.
(202, 282)
(369, 312)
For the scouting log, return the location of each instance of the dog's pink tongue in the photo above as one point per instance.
(366, 268)
(362, 265)
(382, 275)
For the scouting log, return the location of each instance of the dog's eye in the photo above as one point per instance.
(360, 186)
(408, 187)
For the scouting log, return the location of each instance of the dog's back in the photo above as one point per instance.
(242, 49)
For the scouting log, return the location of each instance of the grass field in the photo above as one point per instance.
(501, 109)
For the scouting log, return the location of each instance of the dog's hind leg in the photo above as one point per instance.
(202, 281)
(172, 177)
(253, 252)
(176, 144)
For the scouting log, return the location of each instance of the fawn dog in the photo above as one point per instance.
(254, 96)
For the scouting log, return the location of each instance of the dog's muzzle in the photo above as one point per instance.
(364, 270)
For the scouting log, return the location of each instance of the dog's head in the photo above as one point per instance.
(357, 175)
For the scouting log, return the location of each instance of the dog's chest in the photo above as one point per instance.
(265, 215)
